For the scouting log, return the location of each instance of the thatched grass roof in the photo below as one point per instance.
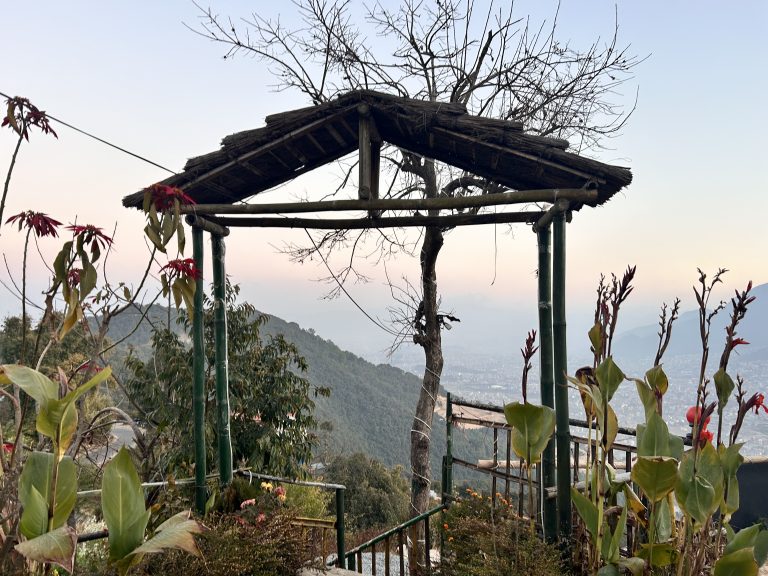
(295, 142)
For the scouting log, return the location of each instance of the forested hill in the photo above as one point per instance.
(371, 406)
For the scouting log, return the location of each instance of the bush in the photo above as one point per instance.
(268, 545)
(481, 541)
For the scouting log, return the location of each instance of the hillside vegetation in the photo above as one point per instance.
(370, 408)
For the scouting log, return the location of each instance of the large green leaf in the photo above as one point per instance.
(122, 502)
(647, 397)
(596, 338)
(761, 547)
(739, 563)
(657, 379)
(34, 518)
(37, 385)
(587, 510)
(699, 494)
(532, 427)
(612, 546)
(744, 538)
(609, 377)
(57, 546)
(724, 387)
(658, 555)
(664, 519)
(731, 459)
(34, 492)
(176, 532)
(608, 424)
(655, 475)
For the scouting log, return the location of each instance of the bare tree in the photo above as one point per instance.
(488, 59)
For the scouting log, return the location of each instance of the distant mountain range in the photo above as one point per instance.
(641, 343)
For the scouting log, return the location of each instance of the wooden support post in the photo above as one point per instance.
(365, 161)
(222, 362)
(198, 376)
(563, 438)
(547, 479)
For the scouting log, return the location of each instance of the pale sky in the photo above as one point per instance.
(133, 74)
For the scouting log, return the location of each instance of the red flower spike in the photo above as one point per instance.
(182, 268)
(41, 223)
(737, 342)
(756, 402)
(90, 234)
(163, 196)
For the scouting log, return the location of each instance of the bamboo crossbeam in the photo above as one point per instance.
(394, 222)
(549, 195)
(206, 225)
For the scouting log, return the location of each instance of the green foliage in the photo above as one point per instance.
(272, 546)
(122, 501)
(375, 496)
(701, 481)
(270, 401)
(480, 541)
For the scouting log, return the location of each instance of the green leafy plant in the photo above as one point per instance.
(48, 485)
(701, 481)
(532, 426)
(122, 501)
(481, 540)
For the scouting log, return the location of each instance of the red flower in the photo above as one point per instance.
(90, 234)
(163, 196)
(74, 277)
(693, 414)
(756, 402)
(22, 114)
(737, 342)
(182, 268)
(705, 436)
(42, 224)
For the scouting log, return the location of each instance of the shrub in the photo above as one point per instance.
(485, 541)
(234, 544)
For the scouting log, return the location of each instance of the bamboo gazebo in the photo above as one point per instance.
(532, 168)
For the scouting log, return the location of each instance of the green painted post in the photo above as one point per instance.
(549, 505)
(198, 381)
(563, 438)
(448, 488)
(340, 552)
(222, 377)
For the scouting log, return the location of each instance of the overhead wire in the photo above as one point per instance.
(157, 165)
(110, 144)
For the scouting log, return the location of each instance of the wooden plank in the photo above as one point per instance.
(364, 223)
(548, 195)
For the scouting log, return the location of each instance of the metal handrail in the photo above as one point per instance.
(398, 530)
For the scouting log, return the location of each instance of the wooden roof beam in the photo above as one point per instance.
(548, 195)
(391, 222)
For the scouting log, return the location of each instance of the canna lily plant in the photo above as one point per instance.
(48, 486)
(700, 482)
(532, 425)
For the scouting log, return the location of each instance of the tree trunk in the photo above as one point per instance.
(429, 338)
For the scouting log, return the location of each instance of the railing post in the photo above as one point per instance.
(563, 437)
(222, 364)
(340, 529)
(549, 505)
(198, 376)
(448, 487)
